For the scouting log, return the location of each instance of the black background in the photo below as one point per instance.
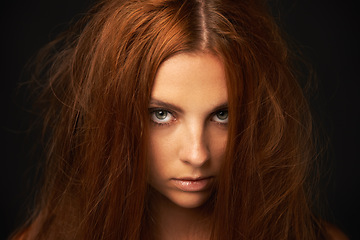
(328, 32)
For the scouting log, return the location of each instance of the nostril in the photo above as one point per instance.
(196, 155)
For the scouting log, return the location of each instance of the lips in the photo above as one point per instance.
(193, 184)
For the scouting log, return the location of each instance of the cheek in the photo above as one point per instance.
(160, 146)
(217, 145)
(161, 150)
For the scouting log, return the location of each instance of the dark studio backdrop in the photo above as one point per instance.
(326, 30)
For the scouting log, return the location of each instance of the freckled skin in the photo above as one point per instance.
(188, 133)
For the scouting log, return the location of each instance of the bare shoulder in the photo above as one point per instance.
(22, 235)
(26, 232)
(334, 233)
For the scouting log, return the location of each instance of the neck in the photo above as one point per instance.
(171, 221)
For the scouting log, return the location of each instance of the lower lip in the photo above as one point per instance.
(193, 185)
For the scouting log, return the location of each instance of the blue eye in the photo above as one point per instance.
(221, 117)
(161, 116)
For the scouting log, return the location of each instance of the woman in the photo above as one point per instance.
(174, 120)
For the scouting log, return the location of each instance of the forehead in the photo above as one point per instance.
(195, 77)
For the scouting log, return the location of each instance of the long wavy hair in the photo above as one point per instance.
(94, 84)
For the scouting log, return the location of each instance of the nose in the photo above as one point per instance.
(194, 148)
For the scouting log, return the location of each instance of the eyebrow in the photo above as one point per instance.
(178, 109)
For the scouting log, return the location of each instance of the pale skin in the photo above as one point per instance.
(188, 135)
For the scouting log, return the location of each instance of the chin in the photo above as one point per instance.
(189, 199)
(177, 198)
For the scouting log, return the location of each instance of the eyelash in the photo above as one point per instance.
(221, 122)
(153, 111)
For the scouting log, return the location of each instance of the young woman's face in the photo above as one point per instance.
(188, 128)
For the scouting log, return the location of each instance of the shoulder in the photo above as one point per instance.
(28, 231)
(334, 233)
(21, 235)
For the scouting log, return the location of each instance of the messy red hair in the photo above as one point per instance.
(96, 82)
